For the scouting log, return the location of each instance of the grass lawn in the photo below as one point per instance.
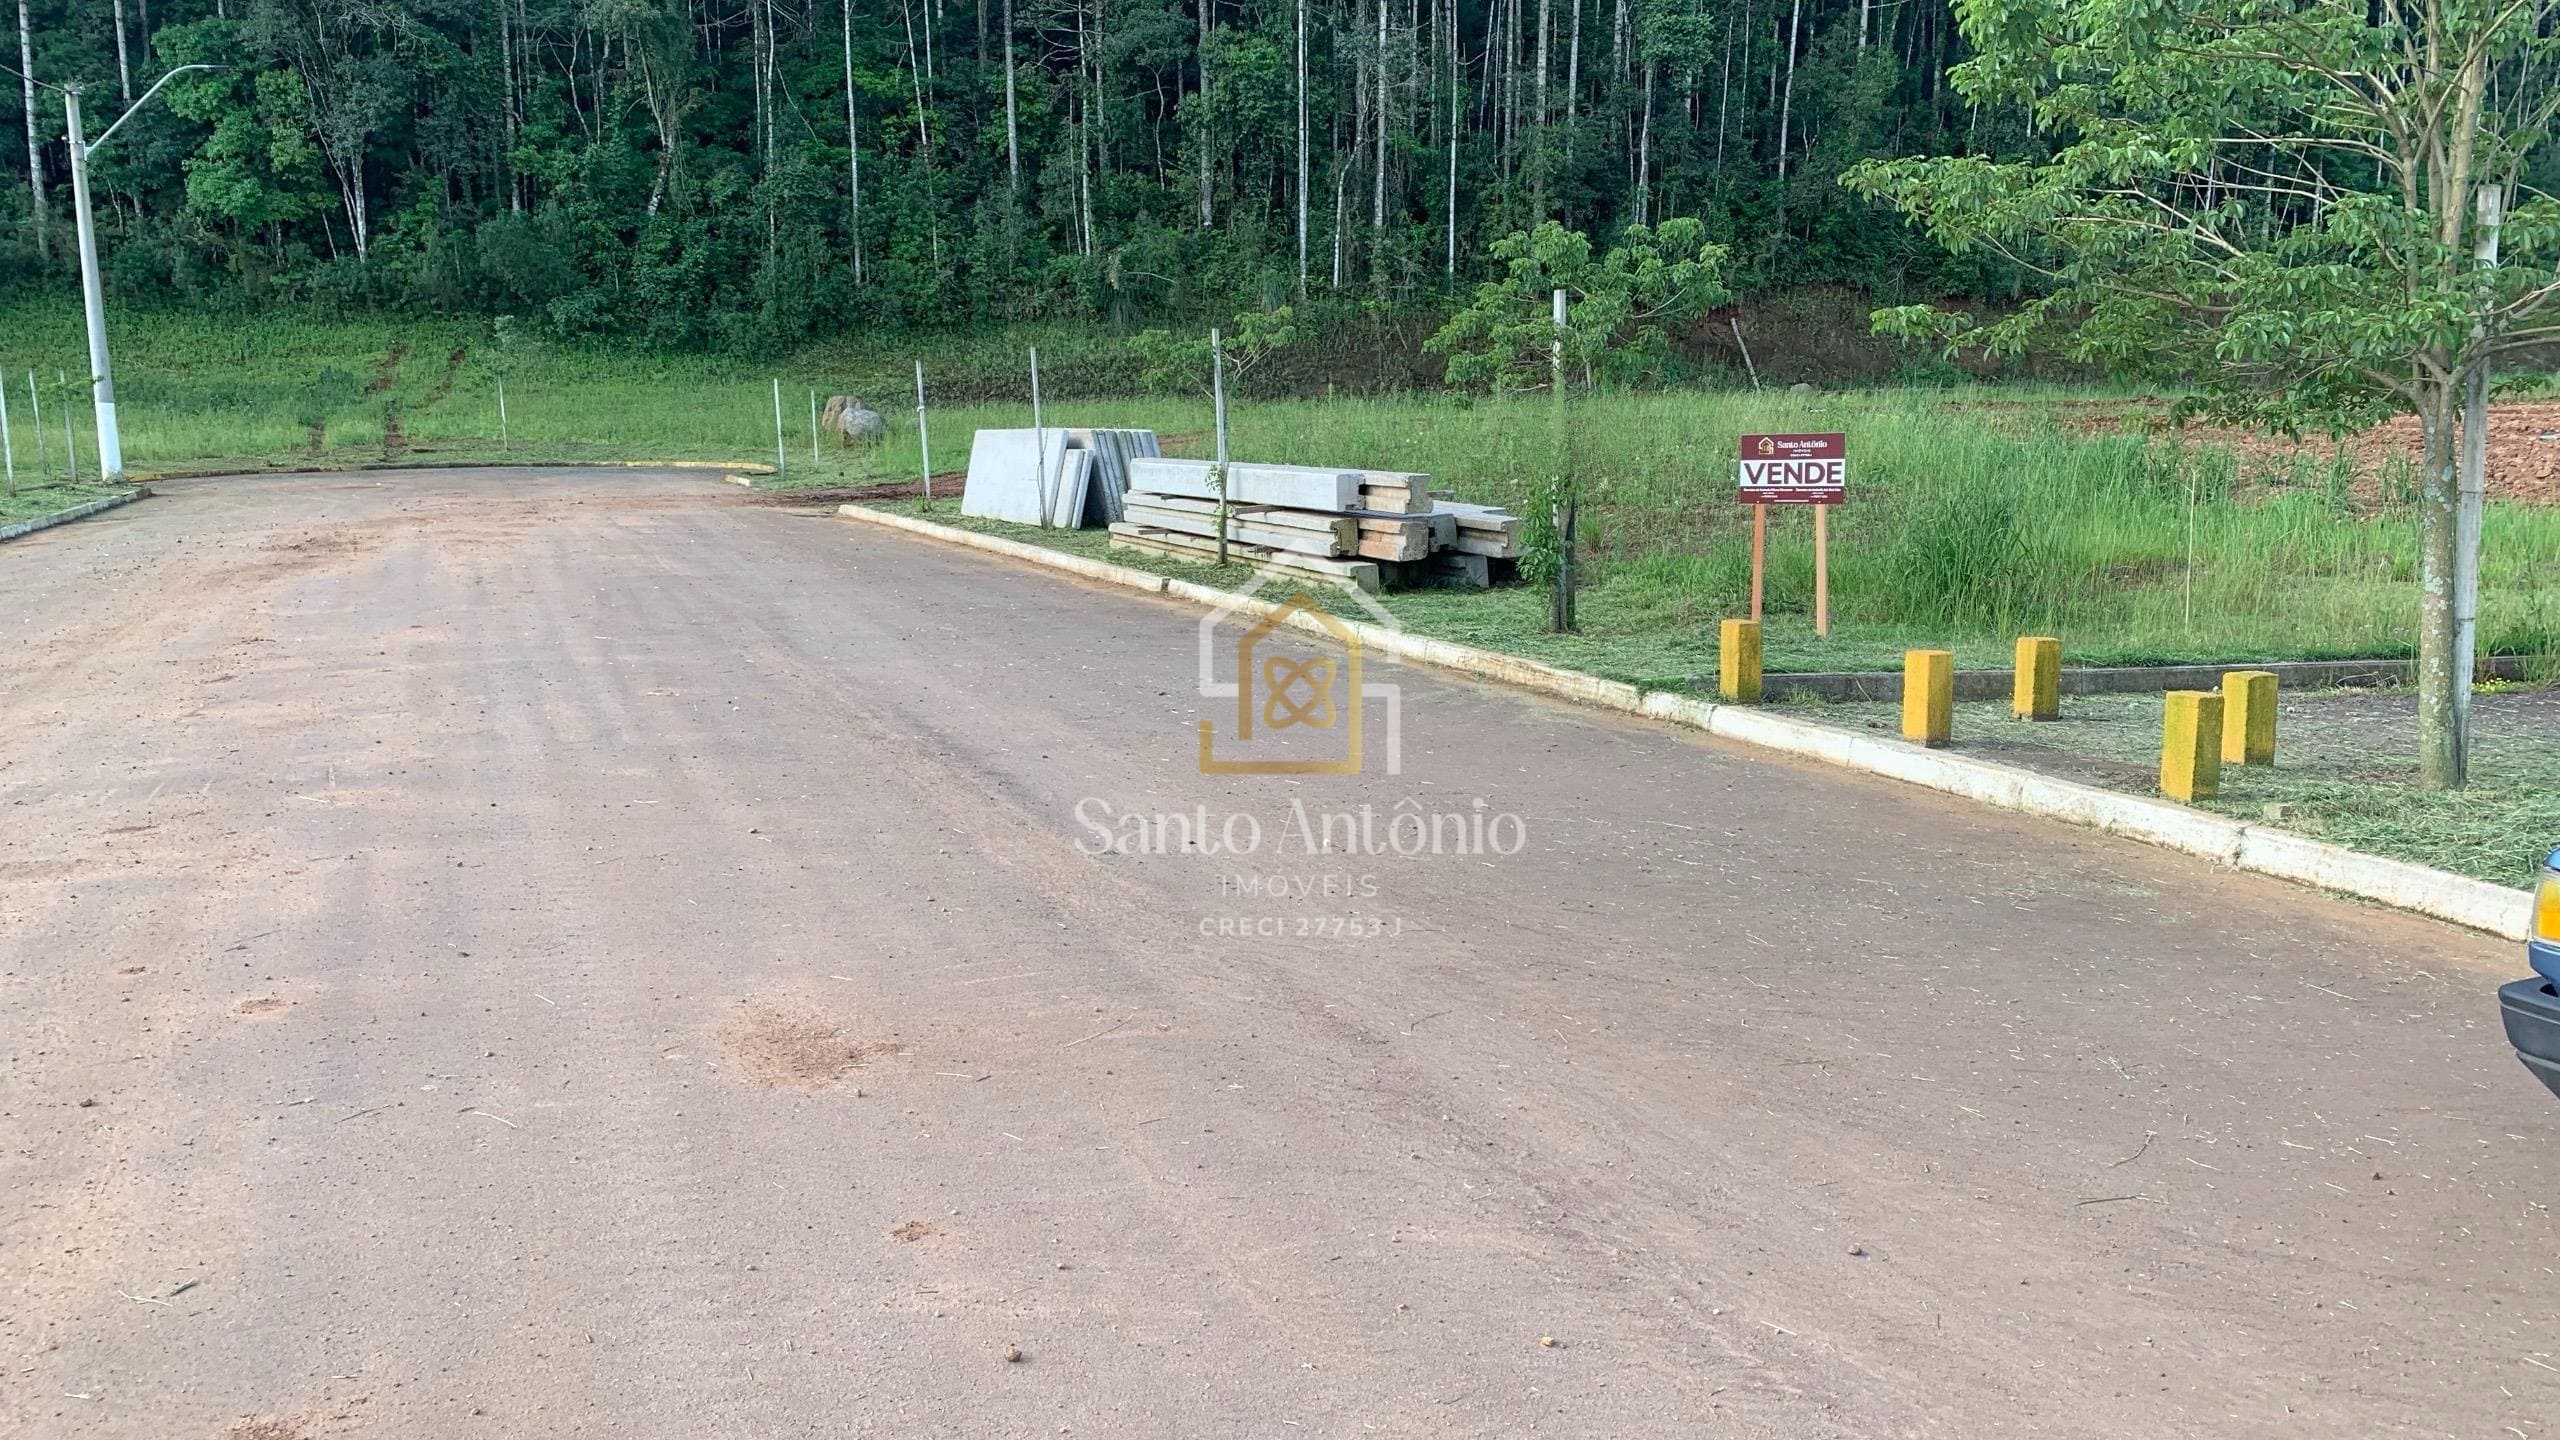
(2345, 764)
(2345, 768)
(29, 500)
(1975, 515)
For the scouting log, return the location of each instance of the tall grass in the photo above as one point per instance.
(1974, 515)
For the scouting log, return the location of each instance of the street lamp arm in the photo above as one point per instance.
(130, 110)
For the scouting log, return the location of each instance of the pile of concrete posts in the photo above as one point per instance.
(1371, 528)
(1060, 477)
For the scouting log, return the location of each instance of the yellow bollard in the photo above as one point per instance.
(2191, 745)
(1738, 662)
(1928, 695)
(2038, 695)
(2249, 717)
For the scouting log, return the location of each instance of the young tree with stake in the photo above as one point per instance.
(2297, 207)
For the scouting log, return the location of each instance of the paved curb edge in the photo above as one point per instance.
(740, 467)
(16, 528)
(2259, 849)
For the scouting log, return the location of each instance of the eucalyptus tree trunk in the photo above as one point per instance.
(1012, 114)
(124, 65)
(507, 112)
(1457, 121)
(1378, 191)
(1573, 77)
(1200, 141)
(1538, 140)
(35, 147)
(1786, 107)
(1301, 149)
(853, 142)
(1644, 149)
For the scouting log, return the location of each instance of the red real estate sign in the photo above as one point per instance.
(1795, 469)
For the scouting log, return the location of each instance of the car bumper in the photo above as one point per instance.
(2531, 1009)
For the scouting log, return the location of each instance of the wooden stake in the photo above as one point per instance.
(1822, 571)
(1759, 553)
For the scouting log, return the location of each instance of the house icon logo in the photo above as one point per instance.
(1767, 446)
(1298, 680)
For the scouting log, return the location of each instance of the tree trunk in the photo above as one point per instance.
(1302, 149)
(1457, 91)
(1200, 140)
(1786, 108)
(1012, 114)
(852, 143)
(2438, 762)
(35, 148)
(507, 112)
(1538, 139)
(1644, 149)
(124, 66)
(1378, 193)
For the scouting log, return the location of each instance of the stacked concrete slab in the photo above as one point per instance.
(1108, 482)
(1064, 478)
(1371, 527)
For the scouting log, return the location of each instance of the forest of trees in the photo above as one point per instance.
(708, 173)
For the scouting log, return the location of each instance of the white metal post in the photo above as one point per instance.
(92, 298)
(1218, 404)
(502, 413)
(781, 462)
(8, 452)
(2471, 498)
(35, 414)
(70, 437)
(1039, 441)
(813, 429)
(924, 441)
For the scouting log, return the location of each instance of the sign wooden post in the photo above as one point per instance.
(1759, 553)
(1794, 470)
(1821, 572)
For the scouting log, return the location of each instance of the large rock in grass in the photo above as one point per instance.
(853, 422)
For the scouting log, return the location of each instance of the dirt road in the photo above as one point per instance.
(555, 954)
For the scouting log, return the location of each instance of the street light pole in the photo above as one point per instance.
(102, 383)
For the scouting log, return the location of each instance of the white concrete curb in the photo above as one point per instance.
(82, 511)
(1015, 549)
(2254, 848)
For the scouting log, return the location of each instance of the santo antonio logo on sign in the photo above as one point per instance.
(1795, 469)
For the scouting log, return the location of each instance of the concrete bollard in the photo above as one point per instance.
(2038, 691)
(2249, 718)
(1738, 662)
(1928, 696)
(2191, 745)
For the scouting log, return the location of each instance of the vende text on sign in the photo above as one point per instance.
(1795, 469)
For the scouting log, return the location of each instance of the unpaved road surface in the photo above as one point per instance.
(584, 954)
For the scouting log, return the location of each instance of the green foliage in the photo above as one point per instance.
(1179, 365)
(680, 178)
(2274, 200)
(1618, 304)
(323, 396)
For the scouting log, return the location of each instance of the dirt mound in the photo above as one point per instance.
(790, 1048)
(264, 1427)
(2524, 447)
(914, 1230)
(257, 1006)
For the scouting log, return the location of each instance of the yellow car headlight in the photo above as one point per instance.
(2546, 909)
